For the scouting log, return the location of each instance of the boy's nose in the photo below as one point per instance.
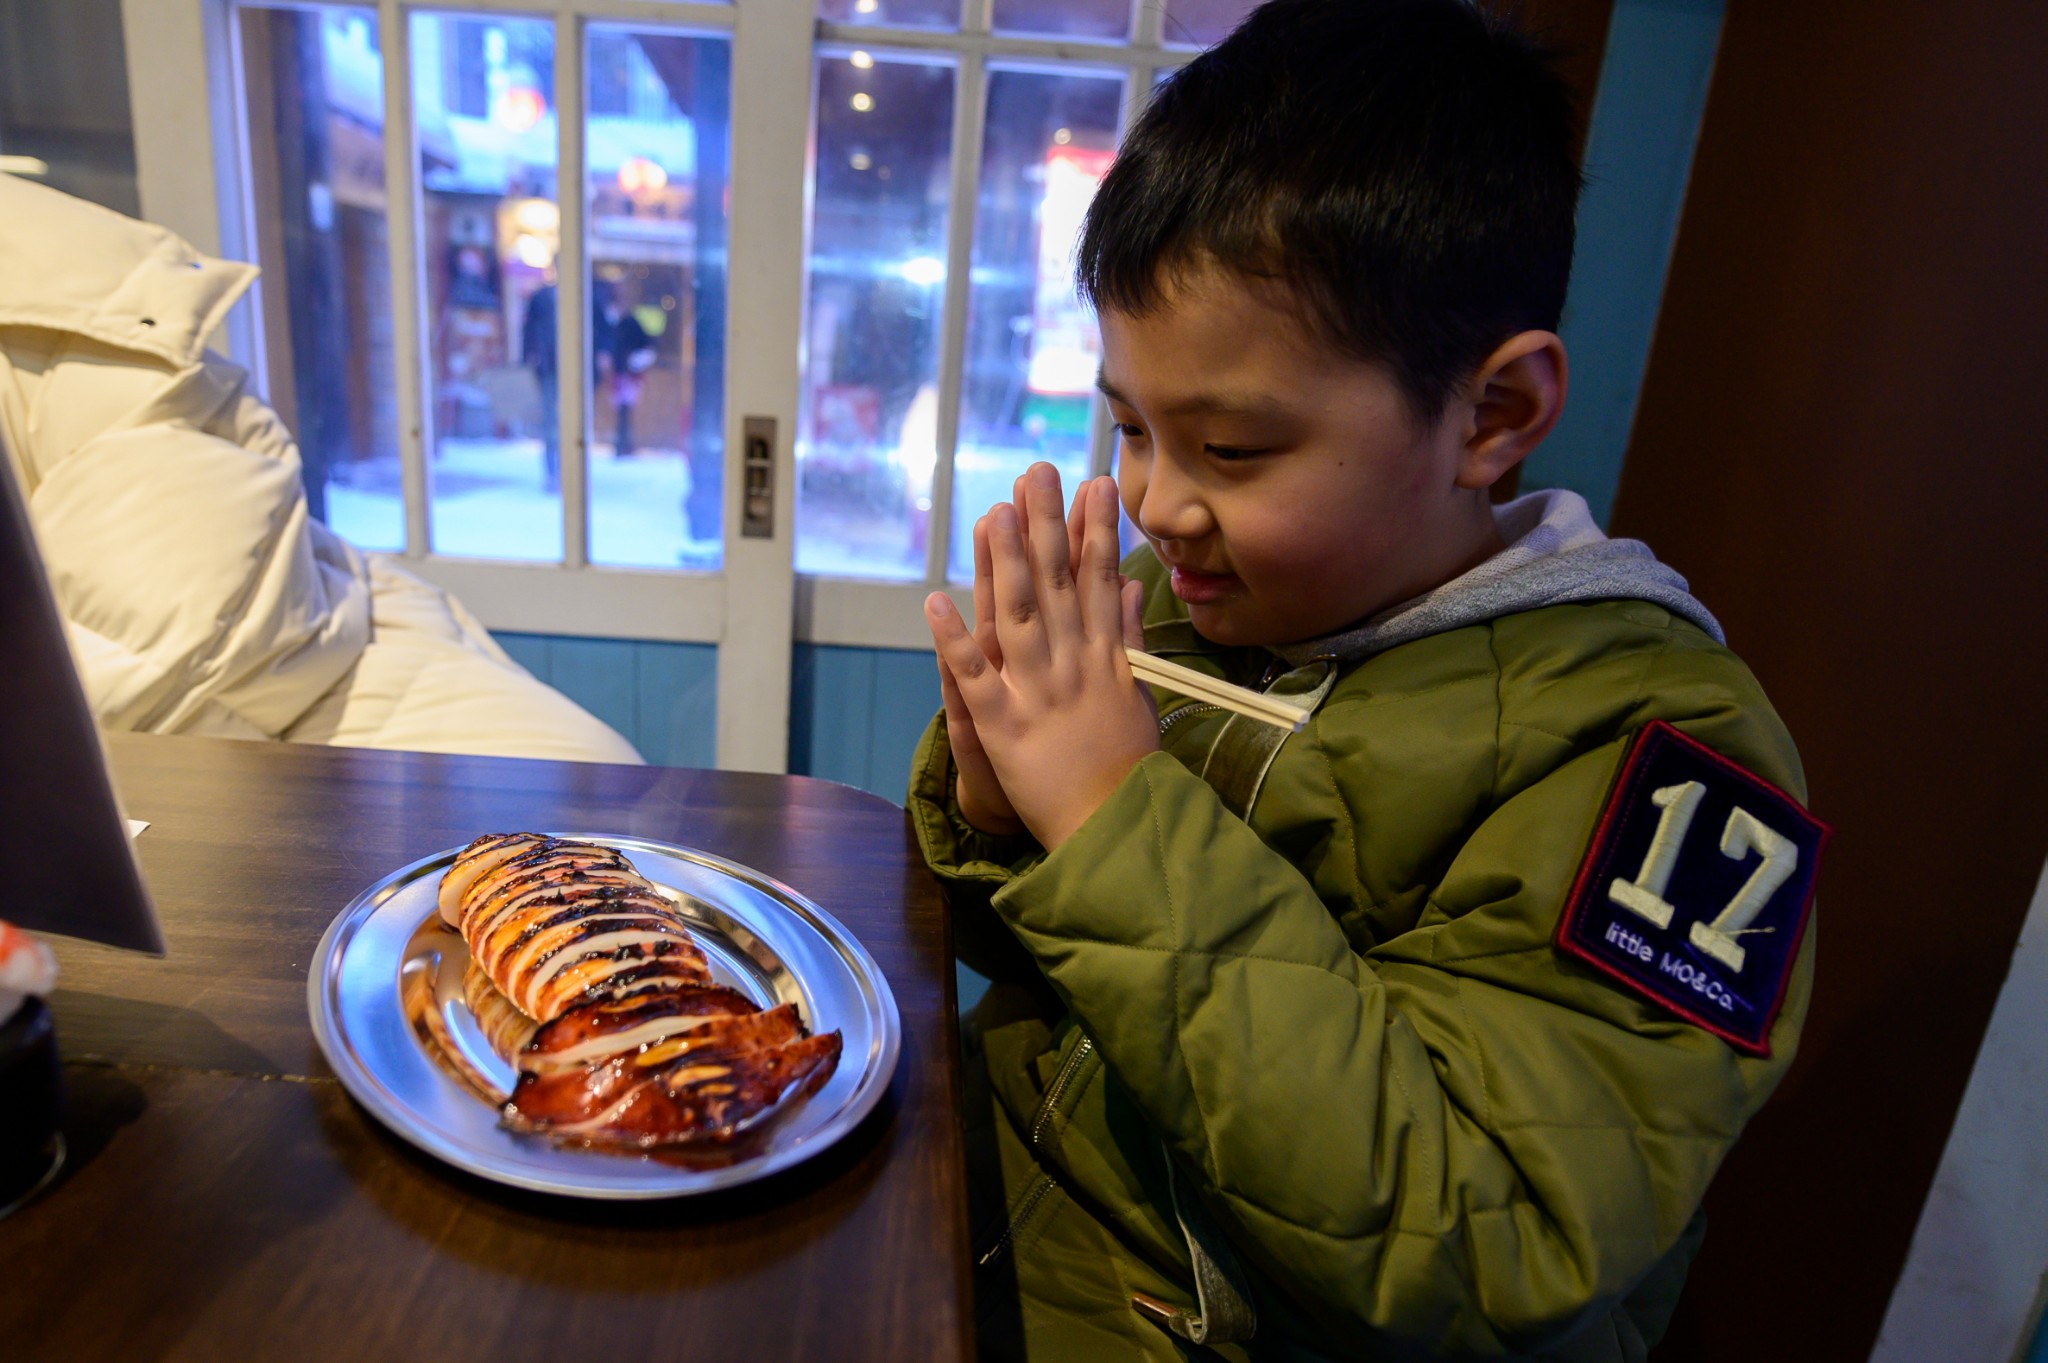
(1171, 507)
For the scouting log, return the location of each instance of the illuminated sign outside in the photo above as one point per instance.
(640, 177)
(1066, 348)
(521, 108)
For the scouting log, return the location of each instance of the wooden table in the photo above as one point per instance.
(226, 1199)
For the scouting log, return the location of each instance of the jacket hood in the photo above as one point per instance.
(1555, 554)
(74, 266)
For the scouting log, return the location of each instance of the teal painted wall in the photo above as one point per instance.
(663, 697)
(1639, 145)
(856, 714)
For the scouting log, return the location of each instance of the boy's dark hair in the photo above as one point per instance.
(1405, 166)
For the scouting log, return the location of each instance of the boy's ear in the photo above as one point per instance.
(1512, 401)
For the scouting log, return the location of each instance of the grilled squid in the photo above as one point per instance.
(586, 977)
(505, 1028)
(554, 923)
(697, 1065)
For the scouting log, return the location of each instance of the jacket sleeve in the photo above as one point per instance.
(963, 857)
(971, 864)
(1458, 1136)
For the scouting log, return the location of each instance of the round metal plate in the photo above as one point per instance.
(760, 937)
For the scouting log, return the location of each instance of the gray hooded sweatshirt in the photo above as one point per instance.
(1555, 554)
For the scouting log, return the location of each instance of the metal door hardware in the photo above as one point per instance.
(757, 513)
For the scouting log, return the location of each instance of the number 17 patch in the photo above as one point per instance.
(1697, 887)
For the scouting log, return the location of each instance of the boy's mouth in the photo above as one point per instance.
(1198, 588)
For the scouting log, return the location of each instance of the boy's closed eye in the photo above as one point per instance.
(1128, 432)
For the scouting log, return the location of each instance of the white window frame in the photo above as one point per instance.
(191, 155)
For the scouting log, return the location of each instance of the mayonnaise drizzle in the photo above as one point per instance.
(618, 1043)
(530, 991)
(498, 907)
(559, 939)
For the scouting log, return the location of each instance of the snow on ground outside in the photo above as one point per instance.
(489, 501)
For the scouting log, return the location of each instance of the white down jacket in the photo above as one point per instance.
(199, 595)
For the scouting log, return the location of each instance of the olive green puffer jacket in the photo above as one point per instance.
(1316, 1080)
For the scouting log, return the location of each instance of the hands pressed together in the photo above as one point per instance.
(1044, 717)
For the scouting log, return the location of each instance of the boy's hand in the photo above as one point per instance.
(979, 793)
(1053, 707)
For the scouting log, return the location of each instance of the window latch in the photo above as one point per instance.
(757, 513)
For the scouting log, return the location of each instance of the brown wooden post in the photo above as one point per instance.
(1840, 443)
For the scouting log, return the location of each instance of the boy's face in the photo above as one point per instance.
(1287, 485)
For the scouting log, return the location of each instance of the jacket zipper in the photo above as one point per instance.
(1035, 1194)
(1167, 721)
(1060, 1081)
(1025, 1206)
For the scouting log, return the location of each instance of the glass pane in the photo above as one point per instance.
(315, 85)
(1032, 349)
(483, 99)
(867, 436)
(64, 99)
(1200, 23)
(1064, 18)
(898, 13)
(657, 157)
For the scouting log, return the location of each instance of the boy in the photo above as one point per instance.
(1421, 1031)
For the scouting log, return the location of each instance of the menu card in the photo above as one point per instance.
(70, 869)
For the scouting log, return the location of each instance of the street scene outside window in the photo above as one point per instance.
(1028, 390)
(656, 140)
(656, 152)
(484, 129)
(315, 89)
(867, 440)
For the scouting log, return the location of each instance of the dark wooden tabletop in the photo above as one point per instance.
(226, 1199)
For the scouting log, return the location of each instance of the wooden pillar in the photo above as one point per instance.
(1839, 443)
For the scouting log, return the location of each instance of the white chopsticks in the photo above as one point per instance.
(1185, 681)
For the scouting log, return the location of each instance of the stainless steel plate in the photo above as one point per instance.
(761, 938)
